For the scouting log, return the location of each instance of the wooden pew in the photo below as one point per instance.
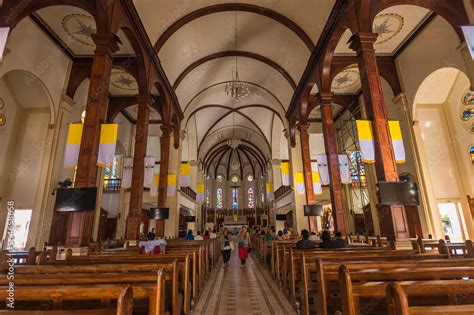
(182, 260)
(123, 295)
(144, 278)
(326, 275)
(397, 299)
(371, 283)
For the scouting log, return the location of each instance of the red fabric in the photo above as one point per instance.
(243, 252)
(156, 250)
(142, 250)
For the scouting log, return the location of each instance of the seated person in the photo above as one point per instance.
(190, 236)
(314, 237)
(151, 235)
(207, 235)
(213, 234)
(198, 237)
(286, 235)
(268, 236)
(280, 236)
(341, 243)
(327, 242)
(262, 234)
(305, 243)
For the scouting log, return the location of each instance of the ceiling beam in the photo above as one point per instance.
(225, 7)
(235, 53)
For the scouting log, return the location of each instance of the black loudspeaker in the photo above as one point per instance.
(313, 210)
(281, 217)
(75, 199)
(159, 213)
(190, 219)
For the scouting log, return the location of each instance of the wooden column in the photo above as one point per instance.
(393, 221)
(339, 208)
(164, 167)
(136, 193)
(308, 176)
(79, 229)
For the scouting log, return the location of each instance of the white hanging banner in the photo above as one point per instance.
(299, 182)
(149, 171)
(127, 172)
(468, 31)
(315, 178)
(366, 141)
(323, 169)
(397, 141)
(344, 169)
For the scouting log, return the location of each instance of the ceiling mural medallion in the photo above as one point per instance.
(467, 110)
(387, 26)
(346, 79)
(123, 80)
(80, 27)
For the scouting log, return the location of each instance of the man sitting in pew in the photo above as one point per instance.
(341, 243)
(327, 242)
(305, 243)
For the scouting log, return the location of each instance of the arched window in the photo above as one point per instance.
(235, 198)
(471, 151)
(219, 203)
(357, 170)
(250, 197)
(83, 116)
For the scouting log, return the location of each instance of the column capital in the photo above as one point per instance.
(105, 43)
(363, 41)
(303, 128)
(144, 100)
(166, 130)
(326, 98)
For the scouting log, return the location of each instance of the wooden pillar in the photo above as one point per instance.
(164, 166)
(393, 221)
(308, 174)
(337, 193)
(80, 224)
(136, 193)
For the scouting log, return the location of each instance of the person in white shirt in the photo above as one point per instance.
(198, 237)
(213, 234)
(314, 237)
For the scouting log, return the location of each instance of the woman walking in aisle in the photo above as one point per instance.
(244, 246)
(227, 247)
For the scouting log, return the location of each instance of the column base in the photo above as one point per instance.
(394, 223)
(133, 228)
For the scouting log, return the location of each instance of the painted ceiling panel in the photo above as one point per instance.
(74, 27)
(394, 25)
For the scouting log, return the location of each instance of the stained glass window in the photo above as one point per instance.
(208, 201)
(262, 193)
(235, 198)
(113, 170)
(220, 204)
(357, 170)
(83, 116)
(471, 151)
(250, 197)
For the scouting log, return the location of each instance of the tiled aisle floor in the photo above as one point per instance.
(249, 290)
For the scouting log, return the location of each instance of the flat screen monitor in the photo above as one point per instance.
(398, 193)
(281, 217)
(159, 213)
(313, 210)
(190, 218)
(75, 199)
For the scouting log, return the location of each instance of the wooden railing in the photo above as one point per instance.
(189, 192)
(112, 184)
(281, 191)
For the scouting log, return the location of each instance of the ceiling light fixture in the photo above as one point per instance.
(236, 89)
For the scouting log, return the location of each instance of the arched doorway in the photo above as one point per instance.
(443, 137)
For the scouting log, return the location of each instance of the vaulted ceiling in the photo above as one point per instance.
(195, 42)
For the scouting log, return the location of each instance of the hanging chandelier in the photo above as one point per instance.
(236, 88)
